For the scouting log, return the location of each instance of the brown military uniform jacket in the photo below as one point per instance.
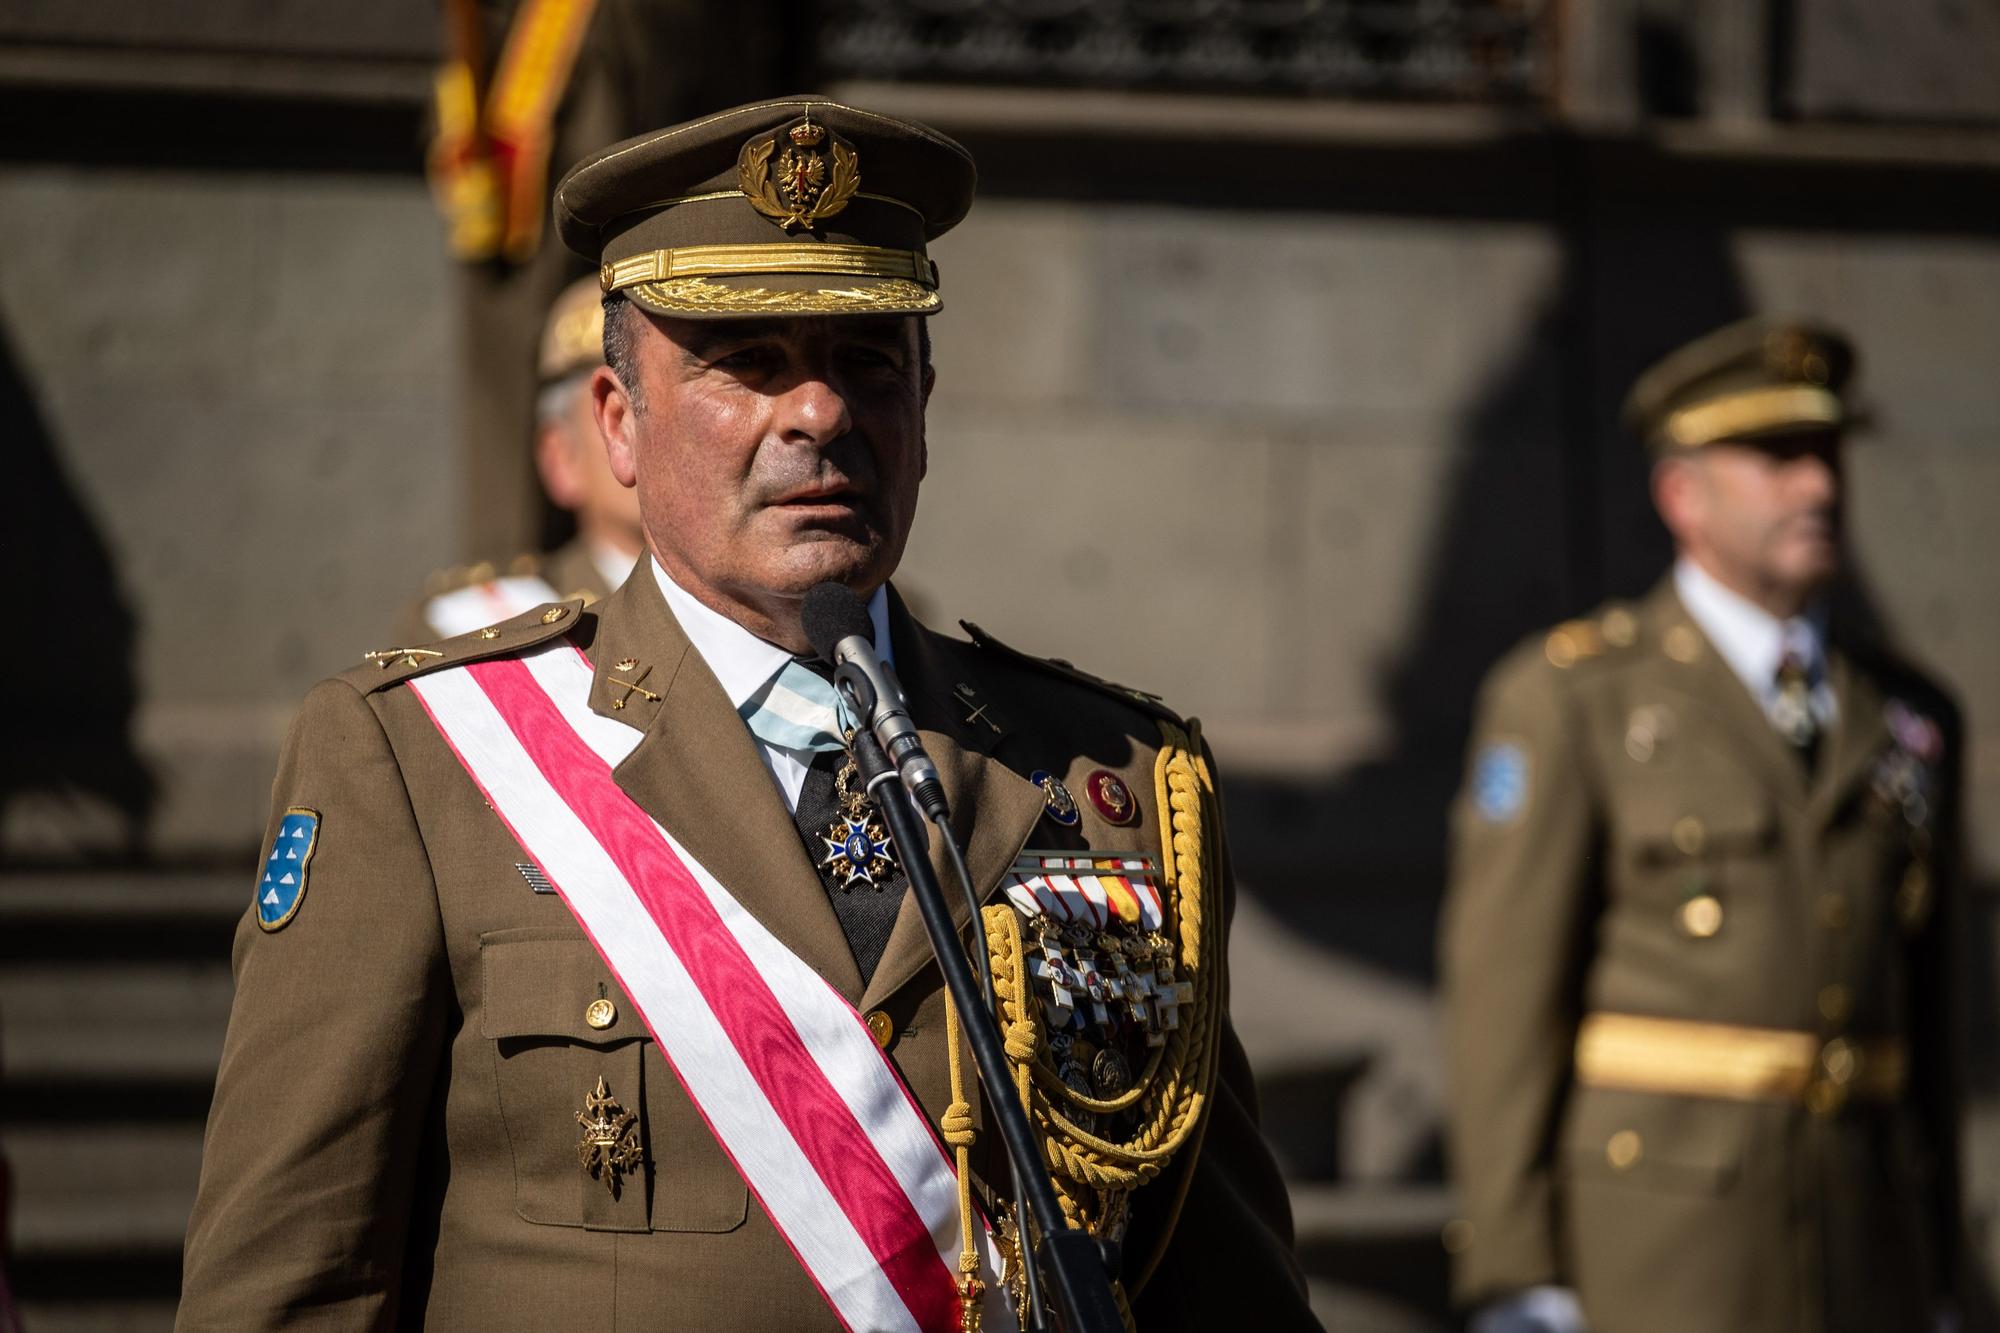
(1635, 839)
(393, 1137)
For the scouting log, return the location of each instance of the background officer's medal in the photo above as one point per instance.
(812, 178)
(858, 850)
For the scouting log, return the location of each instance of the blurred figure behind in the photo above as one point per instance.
(1696, 943)
(569, 459)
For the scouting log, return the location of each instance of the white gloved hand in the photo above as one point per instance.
(1536, 1310)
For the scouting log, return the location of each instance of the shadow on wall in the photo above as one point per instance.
(1535, 529)
(74, 779)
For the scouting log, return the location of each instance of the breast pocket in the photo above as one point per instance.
(1702, 854)
(601, 1133)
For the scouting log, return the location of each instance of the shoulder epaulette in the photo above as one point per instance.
(1056, 666)
(453, 577)
(1576, 641)
(392, 666)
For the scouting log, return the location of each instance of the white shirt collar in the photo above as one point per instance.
(1750, 639)
(741, 661)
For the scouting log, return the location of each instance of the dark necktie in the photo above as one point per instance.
(1792, 708)
(866, 912)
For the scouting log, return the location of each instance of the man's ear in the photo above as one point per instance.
(617, 422)
(1677, 493)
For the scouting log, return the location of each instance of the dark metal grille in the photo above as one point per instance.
(1436, 50)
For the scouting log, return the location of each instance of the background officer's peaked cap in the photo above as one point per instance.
(1751, 380)
(799, 206)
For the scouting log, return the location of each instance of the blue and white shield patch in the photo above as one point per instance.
(282, 885)
(1500, 781)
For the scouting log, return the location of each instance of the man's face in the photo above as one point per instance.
(770, 456)
(570, 458)
(1765, 514)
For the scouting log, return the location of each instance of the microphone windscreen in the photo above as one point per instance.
(831, 613)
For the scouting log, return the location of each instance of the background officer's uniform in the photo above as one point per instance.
(1697, 981)
(465, 597)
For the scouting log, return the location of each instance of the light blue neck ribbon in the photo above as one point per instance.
(797, 709)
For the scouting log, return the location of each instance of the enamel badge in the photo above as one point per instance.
(1113, 799)
(1058, 804)
(282, 885)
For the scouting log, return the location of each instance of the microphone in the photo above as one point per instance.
(840, 630)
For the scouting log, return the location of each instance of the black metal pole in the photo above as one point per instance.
(1070, 1260)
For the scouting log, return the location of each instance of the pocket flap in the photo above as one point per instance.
(1653, 1140)
(546, 983)
(1698, 821)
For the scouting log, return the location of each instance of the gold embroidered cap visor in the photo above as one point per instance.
(800, 206)
(1759, 379)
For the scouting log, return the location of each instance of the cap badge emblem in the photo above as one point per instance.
(812, 179)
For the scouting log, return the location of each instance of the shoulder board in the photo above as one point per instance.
(392, 666)
(453, 577)
(1578, 641)
(1055, 666)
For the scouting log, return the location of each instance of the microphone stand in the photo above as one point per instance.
(1071, 1260)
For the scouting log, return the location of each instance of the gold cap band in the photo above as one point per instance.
(726, 261)
(1750, 413)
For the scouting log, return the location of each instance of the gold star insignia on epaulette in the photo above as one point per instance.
(1572, 642)
(409, 657)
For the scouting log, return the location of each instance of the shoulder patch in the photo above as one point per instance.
(1140, 699)
(384, 667)
(1499, 783)
(282, 885)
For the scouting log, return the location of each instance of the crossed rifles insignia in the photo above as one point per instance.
(608, 1149)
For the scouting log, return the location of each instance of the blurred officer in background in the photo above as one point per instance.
(1695, 949)
(569, 458)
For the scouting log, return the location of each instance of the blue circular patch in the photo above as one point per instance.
(1500, 782)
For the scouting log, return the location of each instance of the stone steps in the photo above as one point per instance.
(114, 994)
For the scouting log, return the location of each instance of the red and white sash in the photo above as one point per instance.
(786, 1074)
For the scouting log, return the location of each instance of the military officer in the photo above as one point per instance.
(569, 458)
(581, 988)
(1696, 941)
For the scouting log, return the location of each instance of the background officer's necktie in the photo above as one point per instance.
(1792, 705)
(867, 913)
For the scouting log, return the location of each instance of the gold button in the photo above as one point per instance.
(1560, 649)
(1702, 917)
(553, 614)
(1624, 1149)
(600, 1014)
(1835, 1003)
(1640, 742)
(881, 1027)
(1840, 1060)
(1682, 643)
(1832, 911)
(1690, 835)
(489, 633)
(1456, 1236)
(1618, 628)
